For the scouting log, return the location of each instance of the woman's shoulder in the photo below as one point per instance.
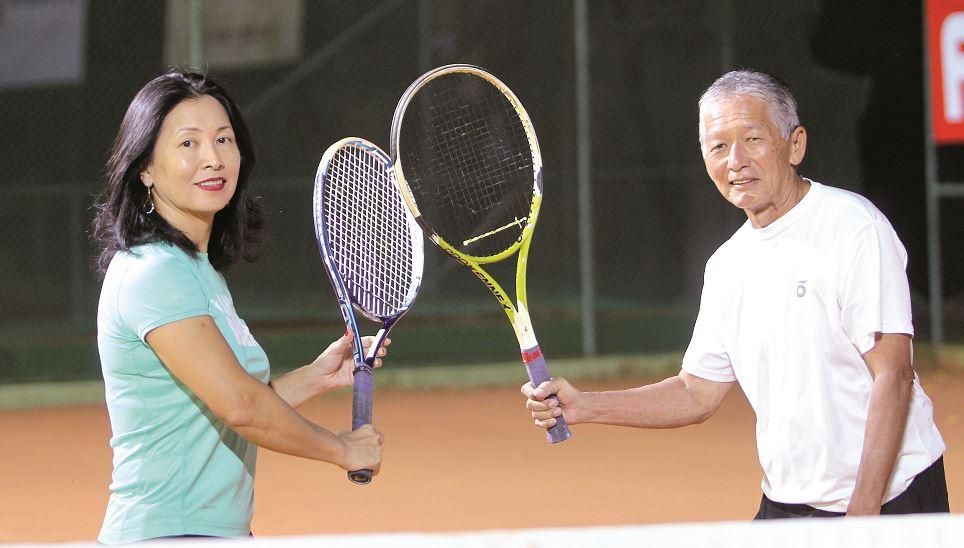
(151, 260)
(154, 254)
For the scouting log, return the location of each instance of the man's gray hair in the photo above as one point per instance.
(760, 85)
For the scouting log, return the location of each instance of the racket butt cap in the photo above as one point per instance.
(361, 477)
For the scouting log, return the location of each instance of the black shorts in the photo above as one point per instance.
(927, 493)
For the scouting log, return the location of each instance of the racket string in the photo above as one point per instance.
(371, 240)
(468, 159)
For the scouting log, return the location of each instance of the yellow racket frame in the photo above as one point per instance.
(517, 313)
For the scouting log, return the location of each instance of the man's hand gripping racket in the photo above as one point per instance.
(467, 161)
(372, 250)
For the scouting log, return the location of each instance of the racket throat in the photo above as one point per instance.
(372, 353)
(522, 325)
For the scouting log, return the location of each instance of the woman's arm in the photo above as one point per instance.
(332, 369)
(195, 352)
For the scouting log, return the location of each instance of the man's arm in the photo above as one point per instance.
(890, 364)
(677, 401)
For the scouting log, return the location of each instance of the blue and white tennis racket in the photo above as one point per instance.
(372, 249)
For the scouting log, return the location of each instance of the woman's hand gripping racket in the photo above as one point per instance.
(467, 161)
(372, 250)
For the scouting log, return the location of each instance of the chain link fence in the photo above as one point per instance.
(308, 72)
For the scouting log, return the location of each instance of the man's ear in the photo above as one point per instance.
(798, 145)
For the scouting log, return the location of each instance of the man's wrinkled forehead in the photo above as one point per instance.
(736, 111)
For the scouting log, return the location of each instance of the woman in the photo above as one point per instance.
(187, 386)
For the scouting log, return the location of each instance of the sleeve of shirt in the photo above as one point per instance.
(875, 296)
(706, 356)
(159, 289)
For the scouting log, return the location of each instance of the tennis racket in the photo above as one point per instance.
(467, 161)
(372, 250)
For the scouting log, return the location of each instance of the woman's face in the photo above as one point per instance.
(195, 163)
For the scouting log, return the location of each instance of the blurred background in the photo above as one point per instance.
(309, 72)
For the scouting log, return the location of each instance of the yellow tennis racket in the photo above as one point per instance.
(468, 165)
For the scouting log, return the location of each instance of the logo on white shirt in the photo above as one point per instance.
(801, 288)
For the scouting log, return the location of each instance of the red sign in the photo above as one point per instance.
(945, 44)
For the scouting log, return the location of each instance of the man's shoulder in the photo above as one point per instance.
(846, 204)
(730, 249)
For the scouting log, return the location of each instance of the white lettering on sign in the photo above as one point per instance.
(952, 66)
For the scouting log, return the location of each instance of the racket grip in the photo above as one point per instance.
(538, 371)
(362, 389)
(361, 412)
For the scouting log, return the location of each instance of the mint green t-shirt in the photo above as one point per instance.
(178, 469)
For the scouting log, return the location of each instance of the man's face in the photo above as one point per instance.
(751, 163)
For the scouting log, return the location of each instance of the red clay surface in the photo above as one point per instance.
(454, 460)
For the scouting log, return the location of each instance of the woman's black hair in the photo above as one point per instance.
(121, 220)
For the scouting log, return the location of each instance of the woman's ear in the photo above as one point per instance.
(146, 177)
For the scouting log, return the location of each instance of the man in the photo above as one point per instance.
(807, 307)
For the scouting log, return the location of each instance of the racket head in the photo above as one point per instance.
(467, 159)
(370, 243)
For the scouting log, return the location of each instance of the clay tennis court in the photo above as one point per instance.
(455, 459)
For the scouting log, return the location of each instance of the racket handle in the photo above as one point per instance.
(559, 431)
(362, 389)
(538, 371)
(361, 412)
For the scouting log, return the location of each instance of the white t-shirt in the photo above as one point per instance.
(787, 311)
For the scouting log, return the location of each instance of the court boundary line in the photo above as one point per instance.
(61, 394)
(645, 366)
